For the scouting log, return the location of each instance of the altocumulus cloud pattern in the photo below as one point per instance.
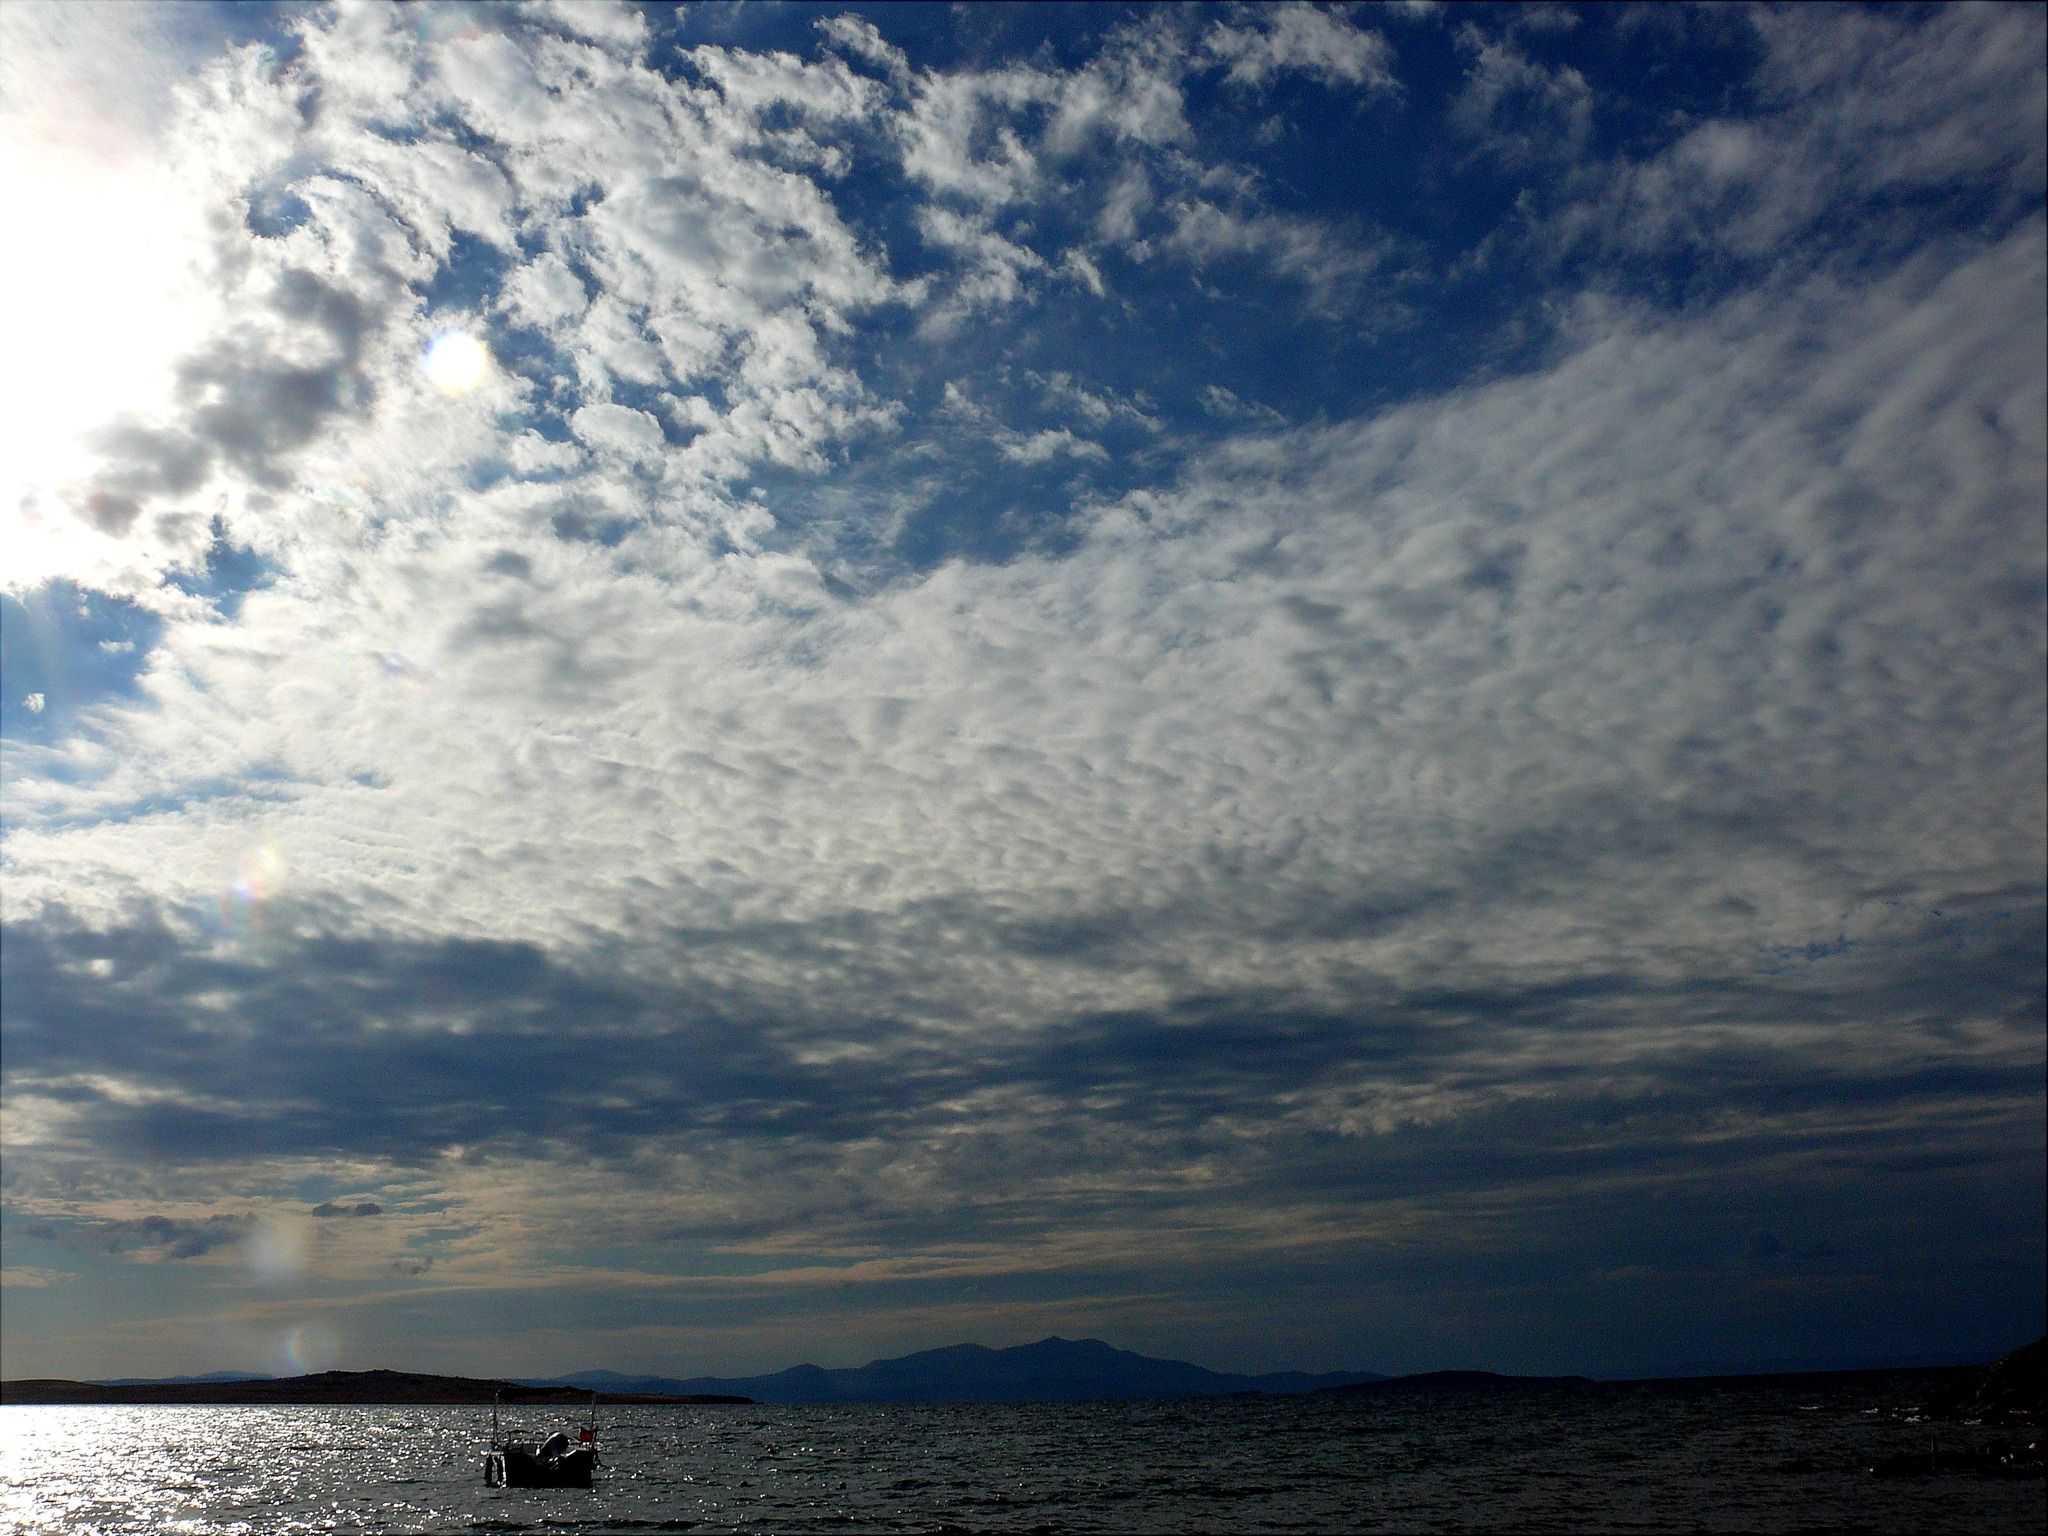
(687, 688)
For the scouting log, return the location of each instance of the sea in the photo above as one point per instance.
(1769, 1455)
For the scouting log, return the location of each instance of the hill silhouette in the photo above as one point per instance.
(324, 1387)
(1053, 1369)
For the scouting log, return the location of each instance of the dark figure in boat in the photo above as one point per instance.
(553, 1463)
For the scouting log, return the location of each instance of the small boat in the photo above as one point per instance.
(556, 1462)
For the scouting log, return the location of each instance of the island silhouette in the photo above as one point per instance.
(1053, 1369)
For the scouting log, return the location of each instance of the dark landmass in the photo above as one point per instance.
(1456, 1381)
(2009, 1389)
(328, 1387)
(1052, 1370)
(2003, 1399)
(1922, 1380)
(1811, 1365)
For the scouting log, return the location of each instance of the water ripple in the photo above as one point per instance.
(1613, 1458)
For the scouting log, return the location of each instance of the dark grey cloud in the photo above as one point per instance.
(165, 1237)
(249, 401)
(251, 406)
(400, 1049)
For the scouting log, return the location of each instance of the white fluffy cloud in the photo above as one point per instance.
(1344, 661)
(1306, 38)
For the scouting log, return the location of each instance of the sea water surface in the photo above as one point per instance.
(1637, 1457)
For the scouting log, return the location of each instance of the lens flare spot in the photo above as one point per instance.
(456, 362)
(275, 1252)
(259, 873)
(311, 1347)
(253, 885)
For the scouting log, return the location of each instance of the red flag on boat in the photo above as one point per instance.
(587, 1436)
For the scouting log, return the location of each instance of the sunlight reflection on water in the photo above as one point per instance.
(1614, 1458)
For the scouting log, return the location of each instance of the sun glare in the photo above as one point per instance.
(456, 362)
(96, 261)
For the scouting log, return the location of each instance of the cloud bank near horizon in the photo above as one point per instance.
(754, 681)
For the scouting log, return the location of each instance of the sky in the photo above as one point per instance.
(1301, 687)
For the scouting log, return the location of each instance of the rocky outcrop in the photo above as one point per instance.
(2010, 1388)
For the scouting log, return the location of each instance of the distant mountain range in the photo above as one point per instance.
(1051, 1370)
(211, 1378)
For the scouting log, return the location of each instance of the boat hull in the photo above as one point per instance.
(515, 1466)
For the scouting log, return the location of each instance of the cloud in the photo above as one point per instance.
(955, 142)
(1327, 263)
(1053, 443)
(26, 1276)
(998, 276)
(726, 279)
(623, 26)
(1000, 677)
(619, 428)
(1218, 401)
(1130, 93)
(760, 83)
(863, 40)
(1301, 38)
(156, 1237)
(1858, 122)
(1382, 597)
(545, 292)
(1100, 408)
(1518, 108)
(119, 63)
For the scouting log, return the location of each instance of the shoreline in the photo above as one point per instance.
(402, 1388)
(366, 1387)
